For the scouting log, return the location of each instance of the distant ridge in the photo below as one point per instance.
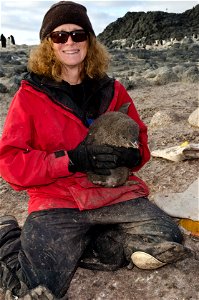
(152, 25)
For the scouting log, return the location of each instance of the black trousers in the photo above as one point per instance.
(52, 243)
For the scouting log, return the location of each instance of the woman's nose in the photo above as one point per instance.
(70, 40)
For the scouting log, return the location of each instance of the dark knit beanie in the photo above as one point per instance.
(65, 12)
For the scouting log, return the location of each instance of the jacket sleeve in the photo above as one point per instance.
(20, 164)
(123, 97)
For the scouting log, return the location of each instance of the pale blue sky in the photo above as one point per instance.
(23, 19)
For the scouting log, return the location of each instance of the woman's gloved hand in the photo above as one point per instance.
(129, 157)
(95, 158)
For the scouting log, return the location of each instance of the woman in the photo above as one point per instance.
(71, 221)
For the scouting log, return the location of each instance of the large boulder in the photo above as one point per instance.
(194, 118)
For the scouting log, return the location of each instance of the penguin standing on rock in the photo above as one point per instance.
(3, 41)
(12, 39)
(114, 128)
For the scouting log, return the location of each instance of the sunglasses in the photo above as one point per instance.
(61, 37)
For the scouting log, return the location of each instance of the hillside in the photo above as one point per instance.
(156, 25)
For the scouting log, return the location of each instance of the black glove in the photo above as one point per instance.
(95, 158)
(129, 157)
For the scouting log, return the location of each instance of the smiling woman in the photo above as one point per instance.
(70, 53)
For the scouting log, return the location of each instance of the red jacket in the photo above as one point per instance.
(35, 128)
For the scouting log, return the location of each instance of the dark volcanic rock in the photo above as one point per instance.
(13, 64)
(3, 88)
(153, 26)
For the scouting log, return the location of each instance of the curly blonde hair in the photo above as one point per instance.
(43, 61)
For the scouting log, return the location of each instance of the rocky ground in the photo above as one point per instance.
(165, 107)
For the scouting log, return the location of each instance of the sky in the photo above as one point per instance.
(23, 18)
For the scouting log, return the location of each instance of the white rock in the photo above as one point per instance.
(194, 118)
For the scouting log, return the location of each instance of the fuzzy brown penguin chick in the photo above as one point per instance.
(117, 129)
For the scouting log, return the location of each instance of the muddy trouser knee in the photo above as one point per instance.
(52, 244)
(46, 251)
